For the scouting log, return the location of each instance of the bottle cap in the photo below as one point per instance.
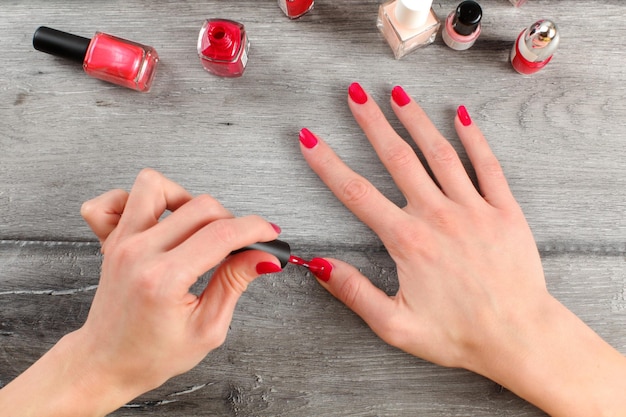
(61, 44)
(467, 17)
(413, 13)
(541, 40)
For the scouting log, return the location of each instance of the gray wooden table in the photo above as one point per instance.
(292, 349)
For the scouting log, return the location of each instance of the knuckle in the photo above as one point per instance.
(87, 209)
(223, 232)
(236, 282)
(400, 155)
(148, 174)
(492, 169)
(355, 190)
(444, 154)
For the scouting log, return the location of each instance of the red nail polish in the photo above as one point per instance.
(295, 8)
(223, 47)
(106, 57)
(276, 228)
(399, 96)
(267, 268)
(307, 138)
(357, 94)
(321, 268)
(464, 116)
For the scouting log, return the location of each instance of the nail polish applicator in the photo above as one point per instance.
(282, 251)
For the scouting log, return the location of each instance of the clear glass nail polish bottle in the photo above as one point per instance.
(106, 57)
(407, 24)
(517, 3)
(223, 47)
(293, 9)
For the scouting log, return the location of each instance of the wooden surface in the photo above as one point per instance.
(293, 350)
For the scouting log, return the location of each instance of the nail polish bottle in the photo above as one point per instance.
(295, 8)
(223, 47)
(462, 26)
(535, 47)
(407, 24)
(106, 57)
(517, 3)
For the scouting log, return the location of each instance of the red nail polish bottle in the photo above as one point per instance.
(295, 8)
(223, 47)
(535, 47)
(109, 58)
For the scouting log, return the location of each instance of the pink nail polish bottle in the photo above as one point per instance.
(223, 47)
(535, 47)
(407, 25)
(295, 8)
(517, 3)
(462, 26)
(106, 57)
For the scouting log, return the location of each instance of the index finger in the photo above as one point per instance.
(353, 190)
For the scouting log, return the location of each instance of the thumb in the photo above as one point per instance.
(218, 300)
(357, 292)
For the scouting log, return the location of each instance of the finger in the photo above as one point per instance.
(357, 292)
(185, 221)
(218, 300)
(150, 196)
(211, 244)
(491, 180)
(354, 191)
(439, 153)
(394, 152)
(103, 213)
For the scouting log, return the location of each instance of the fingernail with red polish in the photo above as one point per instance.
(276, 228)
(399, 96)
(321, 268)
(464, 116)
(357, 94)
(267, 268)
(307, 138)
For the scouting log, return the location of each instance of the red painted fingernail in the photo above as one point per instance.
(464, 116)
(321, 268)
(267, 268)
(399, 96)
(357, 94)
(307, 138)
(276, 228)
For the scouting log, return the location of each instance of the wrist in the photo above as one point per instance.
(549, 357)
(64, 382)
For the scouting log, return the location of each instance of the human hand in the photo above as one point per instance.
(472, 291)
(144, 325)
(466, 260)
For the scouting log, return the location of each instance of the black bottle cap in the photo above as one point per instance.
(467, 18)
(278, 248)
(61, 44)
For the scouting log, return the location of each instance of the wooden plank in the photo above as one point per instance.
(292, 350)
(66, 137)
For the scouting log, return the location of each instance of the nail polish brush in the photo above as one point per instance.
(282, 251)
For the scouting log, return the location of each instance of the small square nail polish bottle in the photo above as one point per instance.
(407, 24)
(223, 47)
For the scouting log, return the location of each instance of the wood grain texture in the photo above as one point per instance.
(293, 350)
